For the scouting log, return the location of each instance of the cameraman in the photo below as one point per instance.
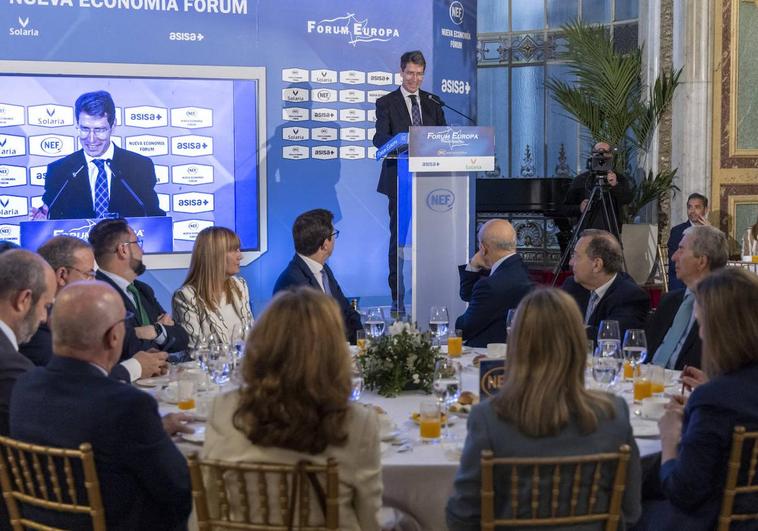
(618, 193)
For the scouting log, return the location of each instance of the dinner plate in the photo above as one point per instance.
(645, 428)
(152, 382)
(198, 436)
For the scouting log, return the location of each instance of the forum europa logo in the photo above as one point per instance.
(354, 29)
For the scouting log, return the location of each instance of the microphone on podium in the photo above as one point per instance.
(441, 103)
(62, 188)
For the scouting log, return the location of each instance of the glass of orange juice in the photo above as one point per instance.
(430, 421)
(360, 340)
(657, 377)
(642, 387)
(185, 392)
(455, 344)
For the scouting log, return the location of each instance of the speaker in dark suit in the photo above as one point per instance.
(396, 112)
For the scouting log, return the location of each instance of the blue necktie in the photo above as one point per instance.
(325, 282)
(415, 111)
(674, 338)
(101, 190)
(590, 307)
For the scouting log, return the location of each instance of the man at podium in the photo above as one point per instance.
(100, 180)
(395, 113)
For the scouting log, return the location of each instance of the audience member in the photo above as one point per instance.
(294, 404)
(542, 410)
(672, 332)
(314, 236)
(601, 288)
(72, 260)
(7, 245)
(27, 291)
(696, 435)
(214, 299)
(494, 281)
(144, 479)
(118, 252)
(697, 214)
(750, 241)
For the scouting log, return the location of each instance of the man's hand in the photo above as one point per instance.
(583, 205)
(39, 214)
(146, 332)
(153, 362)
(477, 261)
(702, 220)
(174, 423)
(613, 180)
(166, 320)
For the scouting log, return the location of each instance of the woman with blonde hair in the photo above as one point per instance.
(213, 299)
(543, 410)
(294, 404)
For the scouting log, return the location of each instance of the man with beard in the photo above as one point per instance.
(118, 252)
(27, 291)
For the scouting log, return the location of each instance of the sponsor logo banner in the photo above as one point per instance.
(193, 202)
(164, 202)
(294, 75)
(36, 201)
(370, 132)
(295, 152)
(295, 134)
(11, 233)
(324, 134)
(12, 146)
(148, 145)
(371, 115)
(12, 206)
(374, 95)
(323, 76)
(352, 152)
(161, 174)
(451, 148)
(352, 115)
(295, 114)
(188, 230)
(352, 134)
(50, 145)
(371, 153)
(11, 115)
(324, 115)
(37, 175)
(481, 163)
(324, 95)
(12, 176)
(50, 115)
(380, 78)
(295, 95)
(191, 117)
(352, 77)
(324, 152)
(352, 96)
(192, 174)
(398, 79)
(146, 116)
(192, 145)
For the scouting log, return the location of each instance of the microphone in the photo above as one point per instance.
(441, 103)
(62, 188)
(127, 187)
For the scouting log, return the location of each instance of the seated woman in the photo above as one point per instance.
(294, 404)
(542, 410)
(213, 299)
(696, 436)
(750, 241)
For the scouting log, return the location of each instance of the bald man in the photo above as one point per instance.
(494, 281)
(143, 477)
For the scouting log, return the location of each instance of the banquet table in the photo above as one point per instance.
(418, 477)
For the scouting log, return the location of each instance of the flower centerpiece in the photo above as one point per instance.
(401, 360)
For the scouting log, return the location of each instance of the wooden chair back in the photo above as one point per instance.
(48, 478)
(525, 475)
(742, 442)
(231, 495)
(663, 266)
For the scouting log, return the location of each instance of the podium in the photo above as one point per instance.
(434, 203)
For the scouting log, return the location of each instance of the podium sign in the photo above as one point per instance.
(451, 148)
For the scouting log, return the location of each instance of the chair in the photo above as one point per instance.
(663, 266)
(217, 486)
(733, 487)
(51, 479)
(526, 474)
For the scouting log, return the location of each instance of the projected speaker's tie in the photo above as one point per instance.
(101, 190)
(415, 110)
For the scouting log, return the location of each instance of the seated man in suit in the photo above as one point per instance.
(72, 260)
(697, 214)
(600, 287)
(494, 281)
(314, 236)
(101, 179)
(144, 479)
(118, 252)
(673, 337)
(27, 291)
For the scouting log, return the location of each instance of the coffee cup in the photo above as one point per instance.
(654, 407)
(496, 350)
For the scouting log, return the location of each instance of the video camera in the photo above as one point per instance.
(600, 162)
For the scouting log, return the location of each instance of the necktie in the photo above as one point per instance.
(590, 307)
(415, 111)
(141, 313)
(674, 338)
(325, 282)
(101, 190)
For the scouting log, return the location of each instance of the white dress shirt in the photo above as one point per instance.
(315, 268)
(408, 103)
(603, 289)
(92, 170)
(9, 333)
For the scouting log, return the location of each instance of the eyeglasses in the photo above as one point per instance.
(334, 235)
(99, 132)
(418, 75)
(138, 241)
(127, 316)
(86, 274)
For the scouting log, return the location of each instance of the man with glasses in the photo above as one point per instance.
(118, 252)
(395, 113)
(314, 236)
(27, 291)
(100, 180)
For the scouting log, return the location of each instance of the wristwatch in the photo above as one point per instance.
(158, 330)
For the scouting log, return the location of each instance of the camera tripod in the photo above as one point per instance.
(597, 197)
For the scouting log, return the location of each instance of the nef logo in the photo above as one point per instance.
(456, 13)
(192, 174)
(192, 145)
(11, 115)
(146, 116)
(193, 202)
(51, 145)
(12, 176)
(191, 117)
(440, 200)
(187, 230)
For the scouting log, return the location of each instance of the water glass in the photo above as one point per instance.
(374, 324)
(357, 381)
(608, 329)
(509, 318)
(219, 364)
(635, 351)
(446, 382)
(438, 322)
(607, 362)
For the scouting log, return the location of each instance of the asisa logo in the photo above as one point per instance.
(353, 28)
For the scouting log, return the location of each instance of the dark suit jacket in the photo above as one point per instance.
(143, 477)
(298, 273)
(660, 322)
(132, 191)
(581, 188)
(176, 337)
(392, 118)
(489, 298)
(12, 365)
(624, 302)
(675, 238)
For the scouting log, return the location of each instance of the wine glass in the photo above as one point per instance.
(374, 324)
(509, 318)
(218, 363)
(438, 322)
(608, 330)
(446, 385)
(635, 347)
(357, 381)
